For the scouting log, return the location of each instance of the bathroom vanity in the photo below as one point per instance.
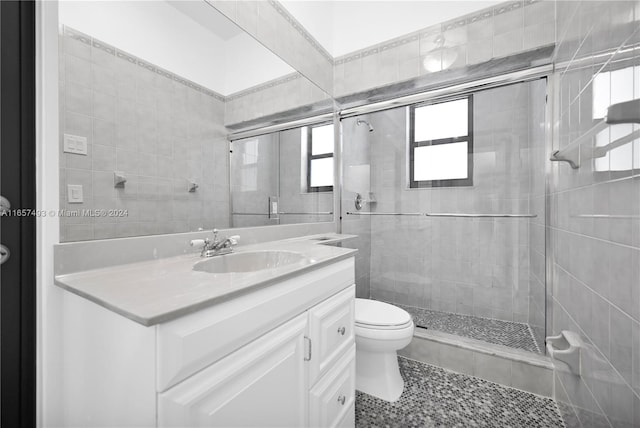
(176, 342)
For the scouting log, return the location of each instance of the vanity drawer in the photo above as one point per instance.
(331, 330)
(332, 399)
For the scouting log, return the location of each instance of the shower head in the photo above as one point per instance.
(364, 122)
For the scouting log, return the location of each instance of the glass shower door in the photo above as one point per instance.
(464, 251)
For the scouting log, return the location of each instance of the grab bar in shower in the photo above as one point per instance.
(391, 214)
(480, 215)
(461, 215)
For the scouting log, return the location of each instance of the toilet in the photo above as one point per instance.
(381, 330)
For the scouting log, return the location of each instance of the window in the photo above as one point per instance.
(320, 158)
(441, 144)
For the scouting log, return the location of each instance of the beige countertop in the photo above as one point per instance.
(161, 290)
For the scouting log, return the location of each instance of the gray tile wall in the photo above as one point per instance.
(156, 128)
(280, 95)
(471, 266)
(595, 221)
(508, 28)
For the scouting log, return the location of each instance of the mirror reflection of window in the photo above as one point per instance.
(250, 153)
(611, 87)
(249, 180)
(319, 152)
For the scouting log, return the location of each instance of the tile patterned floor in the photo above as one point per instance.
(512, 334)
(434, 397)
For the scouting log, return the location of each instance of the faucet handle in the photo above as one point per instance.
(198, 242)
(234, 239)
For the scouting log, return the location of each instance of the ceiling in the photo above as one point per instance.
(343, 26)
(202, 13)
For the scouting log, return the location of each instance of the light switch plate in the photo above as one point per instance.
(75, 144)
(74, 194)
(273, 207)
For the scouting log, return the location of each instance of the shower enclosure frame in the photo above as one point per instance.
(468, 88)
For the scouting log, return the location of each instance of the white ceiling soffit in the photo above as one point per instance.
(344, 26)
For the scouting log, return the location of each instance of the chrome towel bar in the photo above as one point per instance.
(460, 215)
(287, 213)
(624, 112)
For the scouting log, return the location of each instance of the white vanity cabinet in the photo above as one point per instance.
(280, 356)
(298, 374)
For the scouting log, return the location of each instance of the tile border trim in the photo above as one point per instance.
(111, 50)
(262, 86)
(301, 30)
(478, 16)
(460, 22)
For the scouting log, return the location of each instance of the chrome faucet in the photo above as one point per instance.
(217, 247)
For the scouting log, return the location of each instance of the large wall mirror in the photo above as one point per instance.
(149, 94)
(283, 177)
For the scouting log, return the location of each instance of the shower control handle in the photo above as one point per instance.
(342, 330)
(342, 399)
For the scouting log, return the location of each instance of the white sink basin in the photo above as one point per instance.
(250, 261)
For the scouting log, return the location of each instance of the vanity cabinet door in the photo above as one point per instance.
(331, 330)
(262, 384)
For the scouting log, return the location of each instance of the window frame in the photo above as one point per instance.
(413, 144)
(311, 157)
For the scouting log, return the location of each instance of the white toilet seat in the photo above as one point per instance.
(383, 327)
(380, 315)
(385, 334)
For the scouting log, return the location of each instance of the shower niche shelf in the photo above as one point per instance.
(619, 113)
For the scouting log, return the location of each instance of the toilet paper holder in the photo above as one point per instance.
(566, 347)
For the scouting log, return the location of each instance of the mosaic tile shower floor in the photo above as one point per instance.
(434, 397)
(511, 334)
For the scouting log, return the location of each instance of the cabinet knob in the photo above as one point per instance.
(342, 399)
(342, 330)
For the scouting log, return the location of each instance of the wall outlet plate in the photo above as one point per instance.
(74, 194)
(75, 144)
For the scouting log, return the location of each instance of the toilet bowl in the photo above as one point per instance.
(381, 329)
